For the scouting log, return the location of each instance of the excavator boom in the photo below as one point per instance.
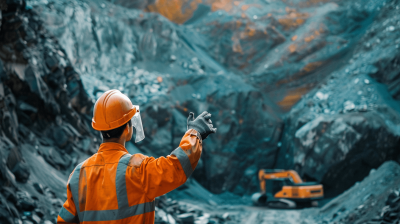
(265, 174)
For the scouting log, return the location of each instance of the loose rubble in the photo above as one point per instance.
(367, 200)
(171, 211)
(391, 212)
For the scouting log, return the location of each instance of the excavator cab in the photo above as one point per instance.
(285, 189)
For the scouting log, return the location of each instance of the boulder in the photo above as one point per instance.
(186, 217)
(9, 120)
(17, 165)
(7, 178)
(38, 187)
(9, 194)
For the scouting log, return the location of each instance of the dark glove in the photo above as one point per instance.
(201, 124)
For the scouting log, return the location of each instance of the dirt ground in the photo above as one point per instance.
(243, 214)
(279, 216)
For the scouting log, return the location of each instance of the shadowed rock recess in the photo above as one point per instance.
(310, 85)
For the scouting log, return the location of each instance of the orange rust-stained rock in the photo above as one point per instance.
(293, 19)
(312, 66)
(238, 23)
(245, 35)
(245, 7)
(289, 23)
(292, 48)
(311, 3)
(249, 32)
(226, 5)
(292, 97)
(179, 11)
(251, 5)
(299, 21)
(310, 38)
(173, 9)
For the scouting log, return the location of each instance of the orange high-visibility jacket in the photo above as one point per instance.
(113, 186)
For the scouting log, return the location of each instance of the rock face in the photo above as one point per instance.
(349, 124)
(44, 118)
(284, 49)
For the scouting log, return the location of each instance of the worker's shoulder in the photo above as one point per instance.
(79, 166)
(85, 162)
(137, 159)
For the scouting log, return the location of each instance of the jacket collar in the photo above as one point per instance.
(111, 146)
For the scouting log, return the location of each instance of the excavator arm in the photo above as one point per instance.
(265, 174)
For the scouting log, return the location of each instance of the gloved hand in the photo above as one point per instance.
(201, 124)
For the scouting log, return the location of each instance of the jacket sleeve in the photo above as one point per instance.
(68, 213)
(164, 174)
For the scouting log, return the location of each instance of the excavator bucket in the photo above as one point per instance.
(282, 204)
(259, 199)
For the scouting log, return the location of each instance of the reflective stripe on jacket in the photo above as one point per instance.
(113, 186)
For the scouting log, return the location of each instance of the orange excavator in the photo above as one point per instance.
(285, 189)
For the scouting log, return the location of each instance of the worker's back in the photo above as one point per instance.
(103, 186)
(117, 187)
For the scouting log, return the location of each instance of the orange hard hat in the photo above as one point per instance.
(112, 110)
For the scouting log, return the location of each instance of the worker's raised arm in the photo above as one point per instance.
(162, 175)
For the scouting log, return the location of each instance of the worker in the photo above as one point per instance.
(113, 186)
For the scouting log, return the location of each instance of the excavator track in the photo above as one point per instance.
(281, 204)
